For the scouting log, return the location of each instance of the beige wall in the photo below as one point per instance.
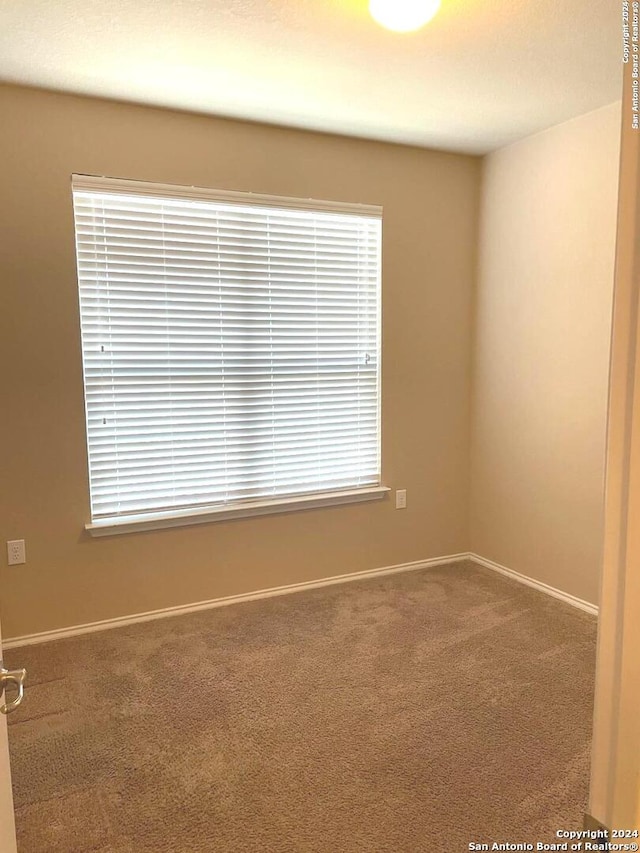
(542, 330)
(430, 210)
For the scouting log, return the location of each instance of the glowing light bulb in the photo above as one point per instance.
(403, 16)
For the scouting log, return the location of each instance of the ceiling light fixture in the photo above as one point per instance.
(403, 16)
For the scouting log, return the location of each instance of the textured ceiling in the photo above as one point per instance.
(482, 74)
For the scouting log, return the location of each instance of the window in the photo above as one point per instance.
(231, 350)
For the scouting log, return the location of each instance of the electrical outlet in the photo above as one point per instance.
(16, 553)
(401, 499)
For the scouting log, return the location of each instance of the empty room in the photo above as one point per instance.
(318, 339)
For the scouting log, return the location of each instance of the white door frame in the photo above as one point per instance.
(615, 773)
(7, 819)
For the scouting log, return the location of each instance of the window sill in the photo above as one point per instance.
(158, 521)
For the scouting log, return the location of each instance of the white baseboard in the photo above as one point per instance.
(121, 621)
(587, 606)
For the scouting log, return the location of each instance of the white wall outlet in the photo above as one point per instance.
(401, 499)
(16, 553)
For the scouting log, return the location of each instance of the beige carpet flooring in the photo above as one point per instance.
(415, 712)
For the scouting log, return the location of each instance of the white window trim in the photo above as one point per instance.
(160, 520)
(140, 522)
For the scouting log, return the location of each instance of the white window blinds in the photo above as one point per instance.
(231, 347)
